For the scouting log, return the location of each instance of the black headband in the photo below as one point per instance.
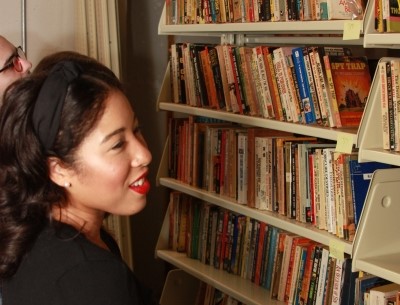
(50, 101)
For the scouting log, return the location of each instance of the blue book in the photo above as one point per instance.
(304, 86)
(271, 256)
(360, 177)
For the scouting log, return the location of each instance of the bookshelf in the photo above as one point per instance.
(374, 249)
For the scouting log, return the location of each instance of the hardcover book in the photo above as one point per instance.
(361, 175)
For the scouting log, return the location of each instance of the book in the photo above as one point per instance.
(217, 77)
(338, 272)
(296, 255)
(312, 85)
(364, 284)
(379, 295)
(272, 83)
(391, 116)
(273, 244)
(322, 277)
(303, 295)
(344, 10)
(234, 99)
(347, 285)
(361, 175)
(316, 265)
(395, 73)
(393, 17)
(285, 266)
(242, 185)
(304, 86)
(266, 99)
(352, 81)
(384, 104)
(249, 89)
(281, 70)
(278, 263)
(224, 77)
(378, 16)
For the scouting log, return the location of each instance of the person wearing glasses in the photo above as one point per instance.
(13, 64)
(71, 152)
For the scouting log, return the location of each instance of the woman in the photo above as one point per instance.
(71, 153)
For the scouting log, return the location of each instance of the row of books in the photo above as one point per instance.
(373, 290)
(387, 16)
(309, 85)
(209, 295)
(222, 11)
(294, 269)
(389, 74)
(300, 177)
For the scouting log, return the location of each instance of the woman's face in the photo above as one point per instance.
(112, 164)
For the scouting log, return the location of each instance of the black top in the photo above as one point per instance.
(64, 268)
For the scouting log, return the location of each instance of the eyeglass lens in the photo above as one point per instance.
(16, 61)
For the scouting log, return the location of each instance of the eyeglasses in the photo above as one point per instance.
(15, 61)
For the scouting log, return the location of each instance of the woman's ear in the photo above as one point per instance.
(58, 172)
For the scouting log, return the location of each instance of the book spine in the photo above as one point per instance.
(213, 55)
(384, 105)
(390, 106)
(305, 96)
(265, 97)
(243, 108)
(247, 81)
(313, 93)
(242, 168)
(279, 62)
(318, 87)
(323, 84)
(395, 67)
(331, 91)
(272, 83)
(224, 80)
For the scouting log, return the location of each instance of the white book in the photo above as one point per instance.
(395, 75)
(329, 190)
(379, 295)
(322, 277)
(384, 104)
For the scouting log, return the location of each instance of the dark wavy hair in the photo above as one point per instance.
(26, 191)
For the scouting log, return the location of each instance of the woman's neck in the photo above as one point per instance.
(87, 223)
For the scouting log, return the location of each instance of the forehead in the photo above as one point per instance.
(6, 49)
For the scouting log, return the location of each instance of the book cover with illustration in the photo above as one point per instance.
(352, 82)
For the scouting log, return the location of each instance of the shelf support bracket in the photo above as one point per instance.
(233, 39)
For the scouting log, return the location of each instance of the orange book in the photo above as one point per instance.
(352, 81)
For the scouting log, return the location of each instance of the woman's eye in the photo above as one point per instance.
(118, 145)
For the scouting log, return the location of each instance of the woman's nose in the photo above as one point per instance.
(141, 154)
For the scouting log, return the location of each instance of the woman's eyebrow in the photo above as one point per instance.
(110, 135)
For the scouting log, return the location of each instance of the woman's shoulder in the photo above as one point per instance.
(67, 243)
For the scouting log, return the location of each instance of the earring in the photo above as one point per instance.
(67, 184)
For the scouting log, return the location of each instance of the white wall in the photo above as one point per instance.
(50, 25)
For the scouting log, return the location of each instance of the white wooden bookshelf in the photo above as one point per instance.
(376, 248)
